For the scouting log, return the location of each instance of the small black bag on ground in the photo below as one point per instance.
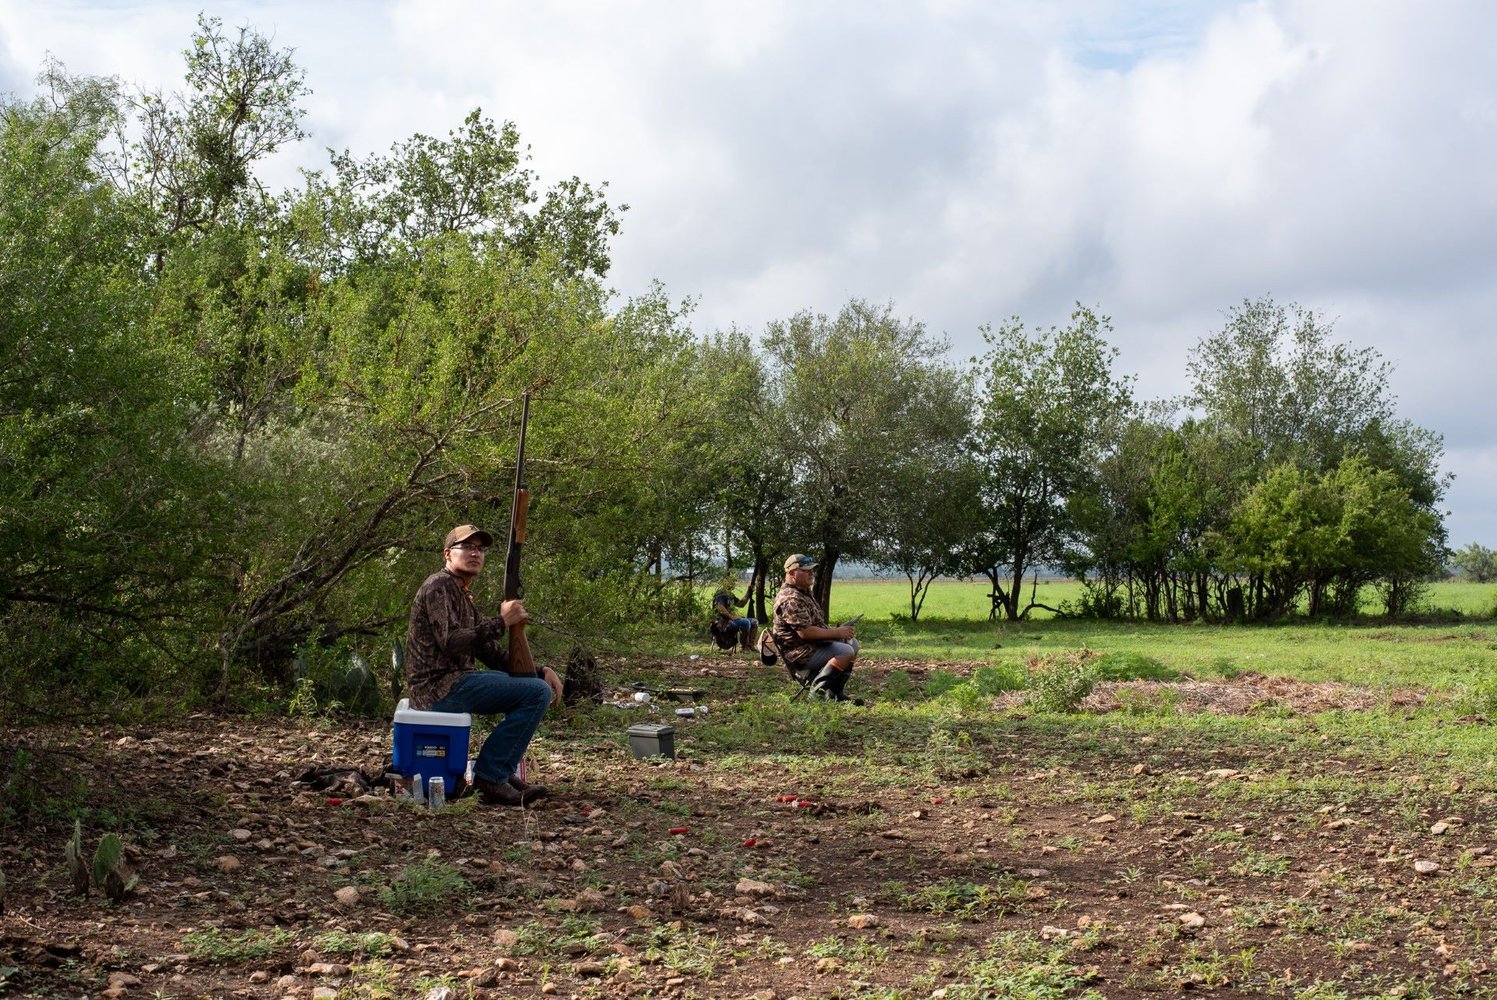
(583, 681)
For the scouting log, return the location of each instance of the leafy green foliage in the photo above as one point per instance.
(995, 680)
(898, 686)
(335, 678)
(865, 409)
(1059, 683)
(99, 481)
(964, 900)
(940, 681)
(1329, 535)
(572, 931)
(252, 416)
(1049, 405)
(473, 182)
(234, 422)
(192, 165)
(1017, 965)
(1476, 563)
(950, 755)
(685, 952)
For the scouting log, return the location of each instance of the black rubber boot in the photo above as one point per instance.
(829, 683)
(839, 682)
(824, 686)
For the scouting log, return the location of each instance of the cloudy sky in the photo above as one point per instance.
(968, 160)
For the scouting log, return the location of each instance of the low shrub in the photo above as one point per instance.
(373, 944)
(1133, 667)
(1059, 683)
(950, 756)
(998, 679)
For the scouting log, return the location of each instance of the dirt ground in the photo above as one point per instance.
(1123, 865)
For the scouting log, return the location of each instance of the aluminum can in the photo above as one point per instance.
(436, 792)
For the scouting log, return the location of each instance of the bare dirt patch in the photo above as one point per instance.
(1067, 860)
(1245, 694)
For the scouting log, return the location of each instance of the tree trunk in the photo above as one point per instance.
(996, 596)
(919, 588)
(1236, 612)
(761, 575)
(757, 581)
(1011, 599)
(821, 589)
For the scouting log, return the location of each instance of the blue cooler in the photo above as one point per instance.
(430, 744)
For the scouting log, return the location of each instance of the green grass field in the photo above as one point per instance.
(958, 600)
(1455, 649)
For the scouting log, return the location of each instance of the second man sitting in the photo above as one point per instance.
(810, 647)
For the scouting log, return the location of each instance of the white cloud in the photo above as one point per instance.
(965, 159)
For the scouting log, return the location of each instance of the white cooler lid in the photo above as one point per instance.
(407, 716)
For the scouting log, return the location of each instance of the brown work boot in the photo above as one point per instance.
(529, 791)
(497, 793)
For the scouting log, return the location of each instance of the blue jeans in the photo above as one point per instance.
(742, 624)
(521, 700)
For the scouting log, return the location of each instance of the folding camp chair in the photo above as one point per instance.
(724, 635)
(803, 679)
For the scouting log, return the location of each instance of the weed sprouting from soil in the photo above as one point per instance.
(429, 886)
(216, 945)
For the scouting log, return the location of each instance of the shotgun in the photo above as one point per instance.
(520, 662)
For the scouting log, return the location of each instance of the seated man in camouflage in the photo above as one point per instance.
(809, 646)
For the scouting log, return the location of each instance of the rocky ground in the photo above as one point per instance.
(1013, 856)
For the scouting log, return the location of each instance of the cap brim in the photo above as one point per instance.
(483, 536)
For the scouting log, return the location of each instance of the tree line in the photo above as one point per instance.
(1282, 481)
(235, 422)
